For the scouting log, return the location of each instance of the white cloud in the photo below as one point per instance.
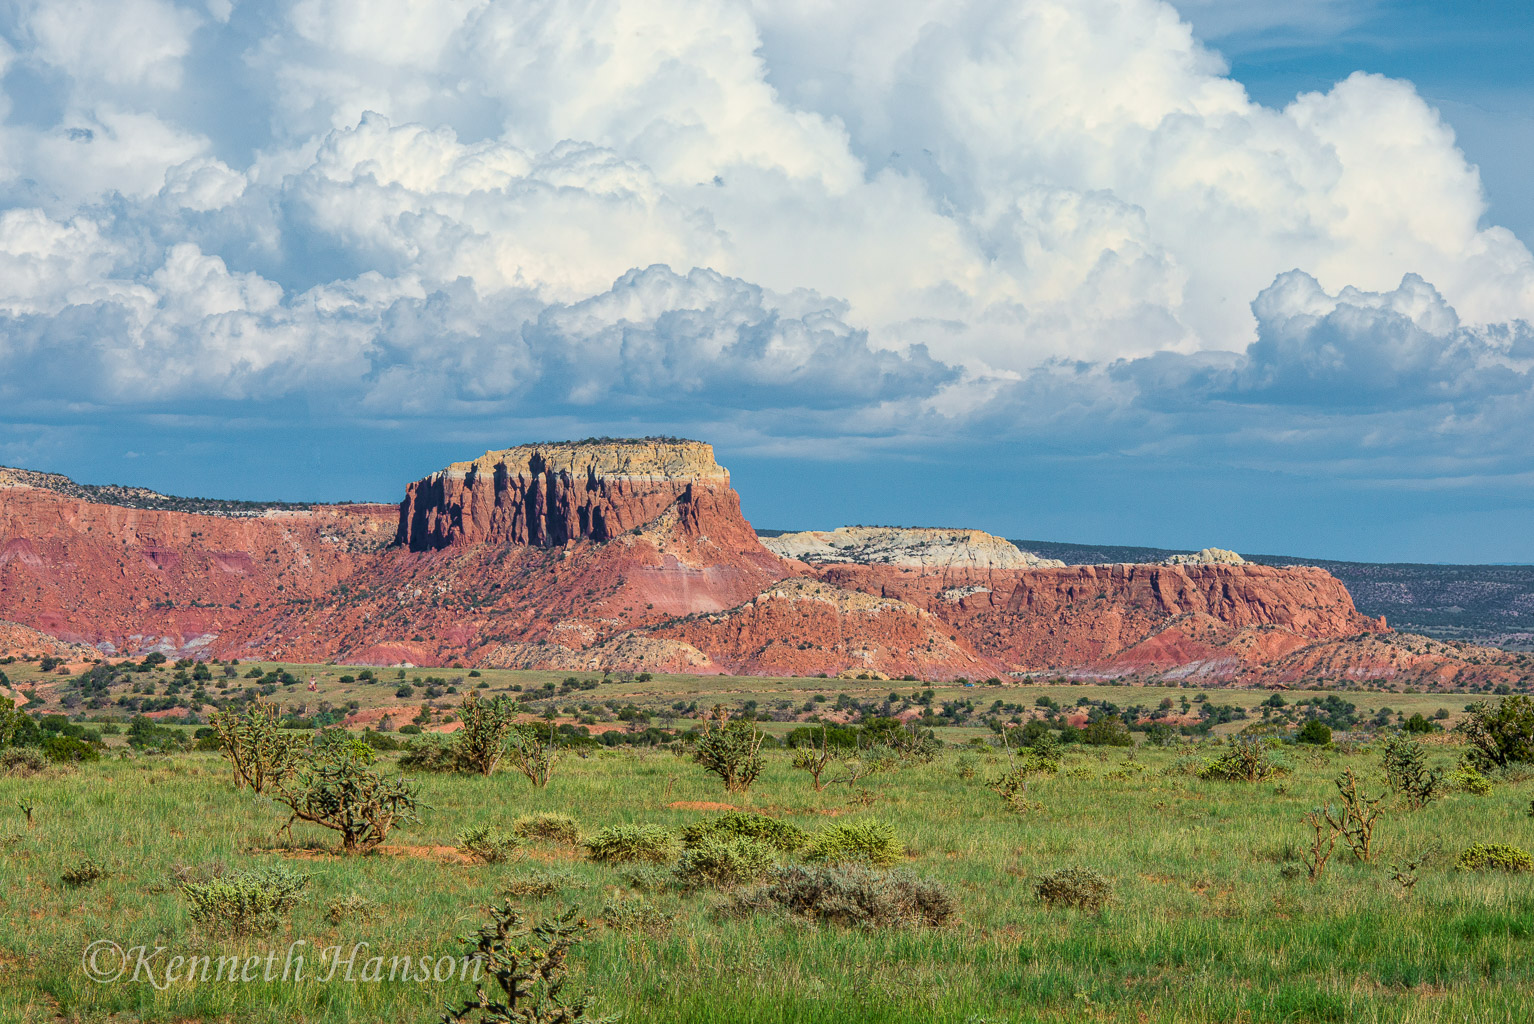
(903, 211)
(119, 42)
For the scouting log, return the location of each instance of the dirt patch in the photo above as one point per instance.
(700, 805)
(440, 854)
(296, 853)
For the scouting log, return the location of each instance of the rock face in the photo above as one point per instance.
(128, 579)
(635, 555)
(552, 494)
(1208, 556)
(887, 545)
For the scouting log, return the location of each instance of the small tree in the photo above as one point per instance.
(255, 747)
(1405, 764)
(534, 752)
(12, 722)
(1323, 842)
(344, 795)
(1359, 813)
(813, 761)
(530, 968)
(1315, 732)
(730, 748)
(487, 726)
(1502, 735)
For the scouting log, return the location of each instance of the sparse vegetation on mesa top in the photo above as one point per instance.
(143, 498)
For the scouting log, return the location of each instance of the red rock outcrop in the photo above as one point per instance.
(551, 494)
(129, 579)
(636, 555)
(1093, 614)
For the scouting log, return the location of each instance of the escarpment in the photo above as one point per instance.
(635, 555)
(549, 495)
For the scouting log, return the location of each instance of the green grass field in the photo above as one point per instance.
(1214, 920)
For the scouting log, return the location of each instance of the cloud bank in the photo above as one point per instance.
(903, 221)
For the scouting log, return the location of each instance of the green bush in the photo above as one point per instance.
(69, 750)
(487, 843)
(548, 825)
(852, 896)
(1406, 770)
(352, 906)
(429, 756)
(722, 862)
(22, 761)
(1497, 856)
(1503, 734)
(779, 835)
(1249, 760)
(83, 873)
(1108, 731)
(1082, 888)
(871, 841)
(618, 844)
(1467, 778)
(539, 885)
(1315, 732)
(248, 903)
(627, 913)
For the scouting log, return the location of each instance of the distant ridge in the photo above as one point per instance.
(1485, 604)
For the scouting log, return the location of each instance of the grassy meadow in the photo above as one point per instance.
(1214, 918)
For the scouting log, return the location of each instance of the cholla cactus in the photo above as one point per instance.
(529, 967)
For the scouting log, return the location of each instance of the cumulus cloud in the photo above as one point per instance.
(917, 218)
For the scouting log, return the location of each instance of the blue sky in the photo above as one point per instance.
(1114, 271)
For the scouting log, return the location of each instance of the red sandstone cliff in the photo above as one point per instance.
(548, 495)
(636, 555)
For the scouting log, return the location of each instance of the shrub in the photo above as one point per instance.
(1502, 735)
(351, 799)
(1358, 817)
(1108, 731)
(721, 862)
(538, 885)
(873, 841)
(1315, 732)
(548, 825)
(534, 753)
(83, 873)
(730, 749)
(336, 743)
(487, 725)
(1467, 778)
(248, 903)
(1405, 764)
(352, 906)
(487, 844)
(628, 913)
(1081, 888)
(778, 835)
(258, 751)
(429, 756)
(1498, 856)
(618, 844)
(1249, 760)
(648, 878)
(530, 968)
(22, 761)
(851, 896)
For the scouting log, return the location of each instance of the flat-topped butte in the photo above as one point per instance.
(634, 459)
